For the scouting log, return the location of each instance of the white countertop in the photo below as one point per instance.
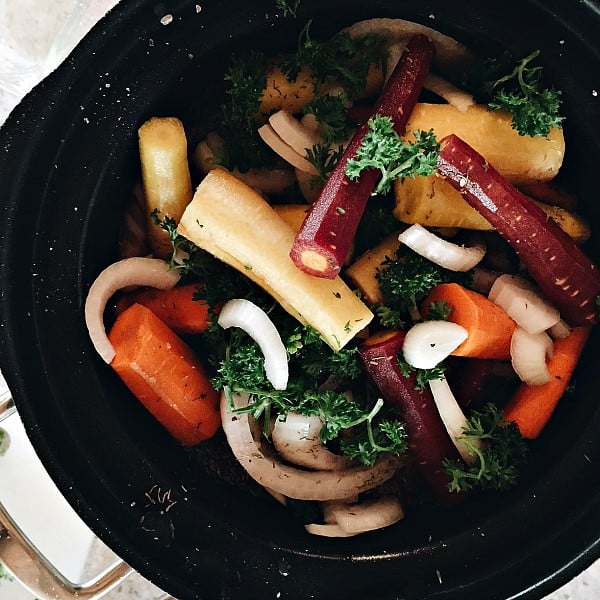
(34, 36)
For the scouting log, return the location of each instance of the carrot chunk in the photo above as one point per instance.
(489, 327)
(165, 375)
(532, 406)
(175, 307)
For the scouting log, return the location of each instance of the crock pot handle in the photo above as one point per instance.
(23, 560)
(32, 569)
(7, 406)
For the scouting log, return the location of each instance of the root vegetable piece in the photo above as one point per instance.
(428, 441)
(292, 214)
(432, 202)
(165, 375)
(235, 224)
(490, 328)
(363, 272)
(532, 406)
(565, 275)
(322, 244)
(519, 158)
(175, 307)
(165, 175)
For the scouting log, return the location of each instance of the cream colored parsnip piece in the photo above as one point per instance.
(165, 175)
(519, 158)
(235, 224)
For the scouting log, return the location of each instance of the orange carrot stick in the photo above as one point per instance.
(532, 406)
(165, 375)
(175, 307)
(488, 326)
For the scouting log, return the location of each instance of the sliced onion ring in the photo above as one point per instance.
(358, 517)
(270, 137)
(151, 272)
(528, 352)
(297, 438)
(293, 132)
(428, 343)
(244, 314)
(327, 530)
(269, 471)
(441, 252)
(452, 416)
(523, 304)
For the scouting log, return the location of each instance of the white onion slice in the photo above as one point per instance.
(511, 281)
(327, 530)
(441, 252)
(297, 438)
(358, 517)
(452, 416)
(293, 132)
(268, 470)
(523, 304)
(453, 95)
(151, 272)
(559, 331)
(270, 137)
(244, 314)
(528, 353)
(428, 343)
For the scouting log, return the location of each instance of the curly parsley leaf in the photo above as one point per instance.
(323, 158)
(288, 8)
(196, 264)
(331, 112)
(422, 376)
(496, 466)
(387, 436)
(534, 108)
(340, 60)
(311, 391)
(382, 148)
(407, 278)
(246, 78)
(439, 310)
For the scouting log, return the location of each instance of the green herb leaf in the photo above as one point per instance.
(247, 79)
(288, 8)
(371, 441)
(407, 278)
(331, 113)
(339, 60)
(382, 148)
(496, 466)
(534, 108)
(439, 310)
(423, 376)
(323, 158)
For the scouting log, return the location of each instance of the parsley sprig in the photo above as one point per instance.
(331, 112)
(534, 108)
(288, 8)
(340, 60)
(404, 280)
(314, 369)
(496, 466)
(382, 148)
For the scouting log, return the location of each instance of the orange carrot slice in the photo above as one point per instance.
(532, 406)
(175, 307)
(489, 327)
(165, 375)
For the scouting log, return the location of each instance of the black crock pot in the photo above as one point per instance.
(68, 166)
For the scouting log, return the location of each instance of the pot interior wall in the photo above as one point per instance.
(185, 519)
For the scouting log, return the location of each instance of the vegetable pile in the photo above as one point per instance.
(372, 239)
